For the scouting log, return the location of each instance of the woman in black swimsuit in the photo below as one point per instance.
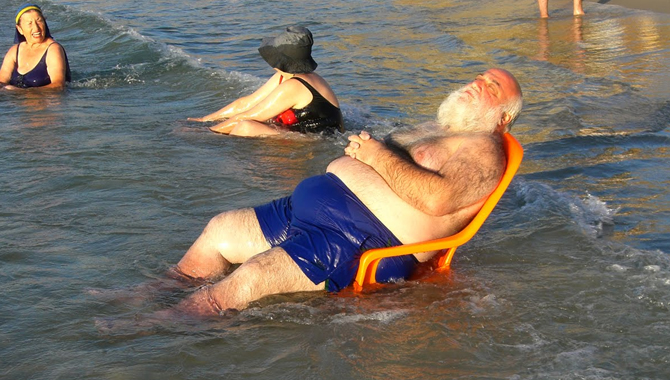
(294, 99)
(35, 60)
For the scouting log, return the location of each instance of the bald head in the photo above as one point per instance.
(513, 103)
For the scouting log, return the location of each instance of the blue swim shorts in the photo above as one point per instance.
(325, 228)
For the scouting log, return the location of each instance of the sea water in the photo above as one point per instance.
(107, 184)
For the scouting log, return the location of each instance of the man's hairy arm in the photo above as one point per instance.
(462, 179)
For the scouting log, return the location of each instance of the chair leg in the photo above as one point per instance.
(445, 260)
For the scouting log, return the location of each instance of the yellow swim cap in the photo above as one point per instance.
(29, 7)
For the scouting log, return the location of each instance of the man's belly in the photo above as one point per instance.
(408, 224)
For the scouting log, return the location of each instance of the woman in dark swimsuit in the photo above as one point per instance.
(294, 99)
(36, 60)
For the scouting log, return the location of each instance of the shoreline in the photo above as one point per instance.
(661, 6)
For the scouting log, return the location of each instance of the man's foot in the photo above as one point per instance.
(138, 295)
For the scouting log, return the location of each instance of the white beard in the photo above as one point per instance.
(460, 113)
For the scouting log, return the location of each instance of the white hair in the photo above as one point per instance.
(513, 109)
(471, 116)
(475, 116)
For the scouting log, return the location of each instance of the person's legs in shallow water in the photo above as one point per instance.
(577, 9)
(268, 273)
(229, 238)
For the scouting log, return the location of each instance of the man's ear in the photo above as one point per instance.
(505, 119)
(504, 122)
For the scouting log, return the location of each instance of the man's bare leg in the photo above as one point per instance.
(268, 273)
(577, 9)
(229, 238)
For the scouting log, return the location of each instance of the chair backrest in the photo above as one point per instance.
(370, 259)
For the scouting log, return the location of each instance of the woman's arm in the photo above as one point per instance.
(279, 100)
(56, 67)
(8, 64)
(244, 103)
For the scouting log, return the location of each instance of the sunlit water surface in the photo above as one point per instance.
(106, 185)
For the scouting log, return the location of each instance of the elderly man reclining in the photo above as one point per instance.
(420, 184)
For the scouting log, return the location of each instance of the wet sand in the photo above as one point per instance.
(649, 5)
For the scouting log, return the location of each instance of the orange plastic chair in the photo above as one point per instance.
(370, 259)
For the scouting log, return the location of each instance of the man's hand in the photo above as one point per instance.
(364, 148)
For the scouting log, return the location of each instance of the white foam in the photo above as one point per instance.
(652, 268)
(482, 304)
(594, 212)
(590, 213)
(250, 82)
(617, 268)
(385, 316)
(170, 52)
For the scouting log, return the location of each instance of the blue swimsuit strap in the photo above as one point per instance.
(38, 63)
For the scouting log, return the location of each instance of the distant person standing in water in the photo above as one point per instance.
(544, 8)
(294, 99)
(35, 60)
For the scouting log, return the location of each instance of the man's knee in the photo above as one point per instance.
(236, 235)
(220, 220)
(231, 222)
(239, 288)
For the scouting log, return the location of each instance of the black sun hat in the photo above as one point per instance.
(290, 52)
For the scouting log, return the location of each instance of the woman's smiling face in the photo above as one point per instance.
(32, 26)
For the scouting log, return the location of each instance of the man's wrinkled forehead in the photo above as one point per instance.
(504, 80)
